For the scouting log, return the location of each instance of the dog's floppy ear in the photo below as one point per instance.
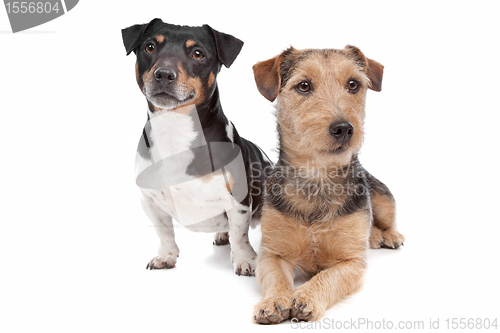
(228, 47)
(133, 35)
(374, 70)
(267, 75)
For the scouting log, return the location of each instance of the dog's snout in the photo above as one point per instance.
(165, 74)
(342, 131)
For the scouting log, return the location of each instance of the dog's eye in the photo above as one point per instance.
(353, 86)
(304, 86)
(150, 48)
(198, 55)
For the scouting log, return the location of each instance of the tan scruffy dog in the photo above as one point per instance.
(322, 209)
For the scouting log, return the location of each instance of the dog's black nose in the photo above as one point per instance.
(165, 74)
(342, 131)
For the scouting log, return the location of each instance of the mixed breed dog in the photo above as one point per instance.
(319, 209)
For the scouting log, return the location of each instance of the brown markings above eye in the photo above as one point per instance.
(353, 86)
(304, 86)
(198, 55)
(150, 48)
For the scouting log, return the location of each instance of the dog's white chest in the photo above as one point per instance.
(199, 201)
(172, 133)
(165, 180)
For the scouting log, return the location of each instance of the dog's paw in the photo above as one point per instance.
(161, 262)
(304, 307)
(221, 238)
(245, 267)
(392, 239)
(272, 310)
(244, 260)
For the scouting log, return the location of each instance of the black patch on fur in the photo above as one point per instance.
(377, 187)
(288, 66)
(145, 143)
(144, 135)
(351, 178)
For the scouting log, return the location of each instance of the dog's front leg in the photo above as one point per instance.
(242, 254)
(313, 298)
(275, 277)
(162, 222)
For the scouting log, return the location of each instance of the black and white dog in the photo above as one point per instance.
(191, 163)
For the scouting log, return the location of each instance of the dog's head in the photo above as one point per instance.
(178, 65)
(320, 99)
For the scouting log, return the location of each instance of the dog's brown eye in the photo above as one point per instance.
(150, 48)
(198, 55)
(304, 86)
(353, 86)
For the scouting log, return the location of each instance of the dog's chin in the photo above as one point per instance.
(163, 100)
(340, 155)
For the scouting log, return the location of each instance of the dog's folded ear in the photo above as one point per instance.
(267, 75)
(132, 36)
(228, 47)
(374, 70)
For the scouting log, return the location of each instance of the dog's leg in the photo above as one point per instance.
(384, 232)
(275, 277)
(242, 253)
(342, 252)
(162, 222)
(313, 298)
(384, 219)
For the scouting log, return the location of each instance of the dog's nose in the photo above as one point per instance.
(165, 74)
(342, 131)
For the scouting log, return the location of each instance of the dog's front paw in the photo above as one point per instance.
(160, 262)
(305, 307)
(272, 310)
(393, 239)
(245, 267)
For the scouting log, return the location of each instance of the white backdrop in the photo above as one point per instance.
(74, 242)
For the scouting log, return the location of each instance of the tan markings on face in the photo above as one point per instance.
(148, 77)
(191, 84)
(305, 119)
(190, 43)
(160, 38)
(211, 79)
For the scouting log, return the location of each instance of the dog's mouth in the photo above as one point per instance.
(164, 95)
(338, 150)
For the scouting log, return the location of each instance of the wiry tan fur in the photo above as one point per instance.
(318, 234)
